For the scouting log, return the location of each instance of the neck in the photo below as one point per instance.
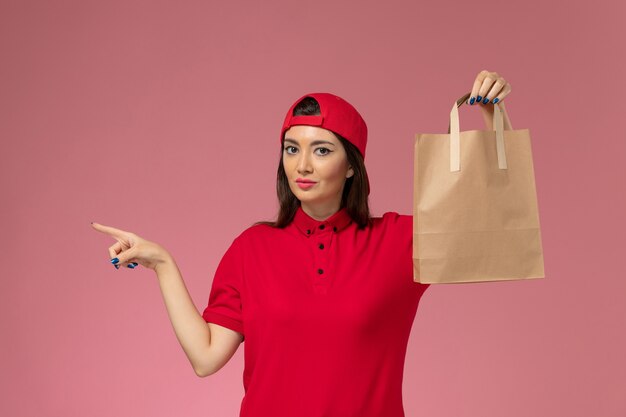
(320, 212)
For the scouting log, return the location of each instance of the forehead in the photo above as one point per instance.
(303, 133)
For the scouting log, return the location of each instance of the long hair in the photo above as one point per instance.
(355, 192)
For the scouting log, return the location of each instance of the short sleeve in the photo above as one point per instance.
(224, 305)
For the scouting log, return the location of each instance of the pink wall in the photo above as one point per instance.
(152, 116)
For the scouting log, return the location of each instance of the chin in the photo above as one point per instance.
(304, 198)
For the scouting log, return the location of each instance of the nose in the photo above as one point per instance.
(304, 163)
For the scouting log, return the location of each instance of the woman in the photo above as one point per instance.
(324, 296)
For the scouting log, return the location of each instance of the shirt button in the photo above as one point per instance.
(321, 227)
(320, 271)
(321, 246)
(308, 231)
(334, 229)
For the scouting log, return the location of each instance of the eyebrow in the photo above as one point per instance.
(315, 142)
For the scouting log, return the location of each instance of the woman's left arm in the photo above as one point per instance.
(489, 87)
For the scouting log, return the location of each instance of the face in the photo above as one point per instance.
(315, 154)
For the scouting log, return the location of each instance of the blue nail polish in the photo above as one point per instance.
(131, 266)
(472, 100)
(495, 100)
(114, 261)
(116, 266)
(486, 100)
(479, 98)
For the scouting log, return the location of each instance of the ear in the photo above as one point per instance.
(350, 172)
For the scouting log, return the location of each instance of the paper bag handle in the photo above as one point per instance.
(455, 135)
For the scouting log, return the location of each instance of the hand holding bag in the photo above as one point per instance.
(475, 212)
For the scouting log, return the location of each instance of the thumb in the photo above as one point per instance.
(121, 257)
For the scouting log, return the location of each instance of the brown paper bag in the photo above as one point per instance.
(475, 214)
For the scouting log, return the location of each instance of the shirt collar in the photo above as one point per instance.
(309, 226)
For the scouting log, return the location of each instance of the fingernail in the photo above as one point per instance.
(116, 266)
(479, 98)
(114, 261)
(472, 100)
(495, 100)
(131, 265)
(486, 100)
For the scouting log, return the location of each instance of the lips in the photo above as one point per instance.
(305, 184)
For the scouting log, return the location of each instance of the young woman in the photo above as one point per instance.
(324, 296)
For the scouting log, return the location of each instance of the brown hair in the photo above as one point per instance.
(355, 192)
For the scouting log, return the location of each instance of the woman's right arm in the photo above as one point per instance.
(194, 334)
(208, 346)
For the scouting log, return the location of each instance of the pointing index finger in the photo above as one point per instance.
(112, 231)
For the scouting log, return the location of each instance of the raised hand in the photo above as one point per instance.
(489, 87)
(132, 250)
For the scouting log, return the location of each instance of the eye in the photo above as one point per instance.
(325, 149)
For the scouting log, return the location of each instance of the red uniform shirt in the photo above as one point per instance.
(326, 311)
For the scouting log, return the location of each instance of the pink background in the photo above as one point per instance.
(162, 118)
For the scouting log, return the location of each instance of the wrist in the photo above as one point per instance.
(166, 262)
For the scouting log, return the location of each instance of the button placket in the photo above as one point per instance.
(320, 273)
